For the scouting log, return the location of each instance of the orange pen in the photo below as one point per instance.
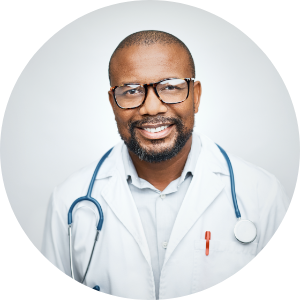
(207, 237)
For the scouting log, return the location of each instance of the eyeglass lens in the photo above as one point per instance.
(170, 91)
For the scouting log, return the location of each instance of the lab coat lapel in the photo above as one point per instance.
(203, 190)
(118, 196)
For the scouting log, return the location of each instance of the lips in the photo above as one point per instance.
(155, 131)
(154, 124)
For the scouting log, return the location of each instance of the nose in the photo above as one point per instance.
(152, 105)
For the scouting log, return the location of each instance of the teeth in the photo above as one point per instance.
(157, 129)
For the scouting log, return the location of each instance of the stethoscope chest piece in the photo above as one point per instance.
(245, 231)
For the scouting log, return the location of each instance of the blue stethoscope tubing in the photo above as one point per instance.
(232, 183)
(88, 197)
(241, 225)
(244, 230)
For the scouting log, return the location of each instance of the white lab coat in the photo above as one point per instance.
(121, 263)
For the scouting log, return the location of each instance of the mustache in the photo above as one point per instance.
(155, 120)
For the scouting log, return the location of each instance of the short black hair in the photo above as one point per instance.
(151, 37)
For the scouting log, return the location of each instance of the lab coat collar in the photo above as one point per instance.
(203, 190)
(216, 159)
(117, 195)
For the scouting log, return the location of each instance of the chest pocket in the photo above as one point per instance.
(226, 246)
(225, 259)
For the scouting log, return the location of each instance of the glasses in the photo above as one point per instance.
(170, 91)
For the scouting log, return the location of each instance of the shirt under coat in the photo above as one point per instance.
(158, 209)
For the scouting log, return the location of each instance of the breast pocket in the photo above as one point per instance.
(224, 259)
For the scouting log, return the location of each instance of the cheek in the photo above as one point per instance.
(190, 112)
(186, 113)
(122, 119)
(190, 120)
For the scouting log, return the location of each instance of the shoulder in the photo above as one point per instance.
(249, 178)
(77, 181)
(240, 166)
(251, 172)
(269, 191)
(76, 185)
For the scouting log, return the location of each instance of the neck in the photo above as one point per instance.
(160, 175)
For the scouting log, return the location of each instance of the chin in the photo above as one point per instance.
(158, 146)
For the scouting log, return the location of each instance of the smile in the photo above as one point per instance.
(156, 131)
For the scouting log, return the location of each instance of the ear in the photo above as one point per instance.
(111, 99)
(197, 94)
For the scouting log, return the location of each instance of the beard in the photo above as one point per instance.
(160, 154)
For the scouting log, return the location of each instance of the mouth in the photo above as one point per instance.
(155, 131)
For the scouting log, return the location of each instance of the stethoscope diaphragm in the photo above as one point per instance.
(245, 231)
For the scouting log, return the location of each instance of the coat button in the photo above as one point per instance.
(162, 196)
(165, 245)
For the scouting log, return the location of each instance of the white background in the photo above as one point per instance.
(58, 118)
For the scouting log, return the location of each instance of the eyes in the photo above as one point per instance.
(141, 90)
(133, 91)
(169, 91)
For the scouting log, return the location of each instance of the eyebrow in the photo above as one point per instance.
(136, 83)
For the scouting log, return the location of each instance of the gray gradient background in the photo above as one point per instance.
(59, 119)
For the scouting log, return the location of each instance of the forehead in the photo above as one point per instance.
(146, 64)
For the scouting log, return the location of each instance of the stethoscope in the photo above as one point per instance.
(244, 230)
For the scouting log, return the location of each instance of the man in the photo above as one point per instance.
(161, 190)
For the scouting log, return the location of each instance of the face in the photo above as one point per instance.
(172, 123)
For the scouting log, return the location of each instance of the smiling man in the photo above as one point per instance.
(157, 132)
(165, 193)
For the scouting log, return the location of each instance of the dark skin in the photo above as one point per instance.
(147, 64)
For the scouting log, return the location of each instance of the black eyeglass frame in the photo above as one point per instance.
(154, 84)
